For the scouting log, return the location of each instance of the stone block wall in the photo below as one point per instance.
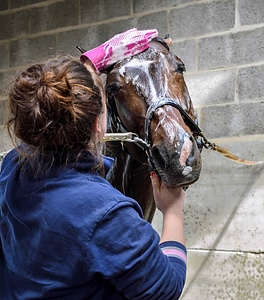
(222, 45)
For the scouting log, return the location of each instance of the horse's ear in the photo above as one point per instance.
(168, 40)
(80, 49)
(180, 66)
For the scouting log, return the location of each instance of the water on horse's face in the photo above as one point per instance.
(133, 85)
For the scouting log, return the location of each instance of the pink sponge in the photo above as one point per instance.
(120, 46)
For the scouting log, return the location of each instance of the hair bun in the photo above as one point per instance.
(54, 105)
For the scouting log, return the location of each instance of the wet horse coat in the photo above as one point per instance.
(151, 85)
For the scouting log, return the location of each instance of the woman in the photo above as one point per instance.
(65, 232)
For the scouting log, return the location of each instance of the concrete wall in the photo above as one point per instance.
(222, 45)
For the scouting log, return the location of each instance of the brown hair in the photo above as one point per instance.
(53, 108)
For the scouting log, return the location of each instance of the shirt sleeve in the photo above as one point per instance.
(125, 250)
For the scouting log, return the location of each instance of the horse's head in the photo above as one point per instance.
(147, 94)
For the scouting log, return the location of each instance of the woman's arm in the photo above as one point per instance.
(126, 251)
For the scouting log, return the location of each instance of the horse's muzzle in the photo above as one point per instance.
(177, 168)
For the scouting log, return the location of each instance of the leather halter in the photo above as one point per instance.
(168, 101)
(145, 144)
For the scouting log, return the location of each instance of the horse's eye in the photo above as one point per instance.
(113, 88)
(180, 68)
(179, 65)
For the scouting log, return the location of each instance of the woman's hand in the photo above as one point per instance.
(170, 201)
(167, 198)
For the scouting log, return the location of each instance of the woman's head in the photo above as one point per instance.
(55, 107)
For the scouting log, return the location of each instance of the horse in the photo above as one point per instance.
(149, 101)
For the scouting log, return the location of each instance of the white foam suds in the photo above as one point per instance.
(170, 126)
(143, 67)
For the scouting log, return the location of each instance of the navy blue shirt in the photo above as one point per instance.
(71, 235)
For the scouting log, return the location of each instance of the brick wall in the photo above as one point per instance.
(222, 45)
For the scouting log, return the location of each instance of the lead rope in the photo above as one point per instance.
(226, 153)
(113, 137)
(127, 137)
(133, 138)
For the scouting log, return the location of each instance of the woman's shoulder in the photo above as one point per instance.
(85, 194)
(99, 193)
(8, 157)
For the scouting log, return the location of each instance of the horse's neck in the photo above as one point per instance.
(132, 179)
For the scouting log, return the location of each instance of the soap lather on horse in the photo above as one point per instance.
(65, 231)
